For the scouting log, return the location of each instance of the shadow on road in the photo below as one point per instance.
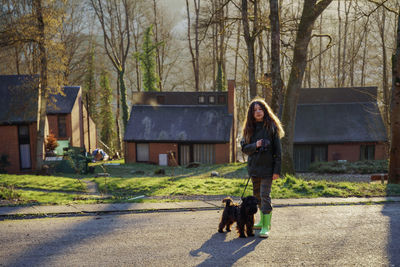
(392, 211)
(226, 253)
(64, 241)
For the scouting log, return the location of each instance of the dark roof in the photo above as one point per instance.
(63, 104)
(18, 99)
(337, 95)
(179, 98)
(179, 123)
(336, 123)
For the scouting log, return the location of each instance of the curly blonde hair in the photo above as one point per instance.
(271, 121)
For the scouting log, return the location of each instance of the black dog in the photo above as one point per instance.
(242, 214)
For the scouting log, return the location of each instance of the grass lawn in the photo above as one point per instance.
(130, 180)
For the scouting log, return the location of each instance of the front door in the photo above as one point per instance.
(24, 147)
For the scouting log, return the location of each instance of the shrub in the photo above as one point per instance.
(51, 142)
(360, 167)
(4, 163)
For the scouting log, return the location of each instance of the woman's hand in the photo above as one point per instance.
(275, 176)
(259, 143)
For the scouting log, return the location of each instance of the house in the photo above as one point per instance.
(182, 127)
(338, 124)
(66, 116)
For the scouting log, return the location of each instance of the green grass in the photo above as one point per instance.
(51, 183)
(124, 184)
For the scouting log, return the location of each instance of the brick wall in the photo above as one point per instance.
(351, 152)
(130, 152)
(9, 146)
(381, 151)
(162, 148)
(221, 153)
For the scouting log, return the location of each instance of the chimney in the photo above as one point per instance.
(232, 111)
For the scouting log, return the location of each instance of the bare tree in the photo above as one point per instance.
(311, 11)
(250, 37)
(277, 83)
(394, 161)
(195, 53)
(115, 17)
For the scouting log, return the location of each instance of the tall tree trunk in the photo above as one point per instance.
(277, 83)
(117, 117)
(237, 50)
(311, 11)
(339, 50)
(42, 90)
(394, 165)
(385, 86)
(158, 53)
(195, 53)
(250, 40)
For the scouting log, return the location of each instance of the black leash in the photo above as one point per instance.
(245, 188)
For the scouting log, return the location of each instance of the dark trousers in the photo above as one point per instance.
(262, 191)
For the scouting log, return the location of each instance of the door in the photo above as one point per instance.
(24, 147)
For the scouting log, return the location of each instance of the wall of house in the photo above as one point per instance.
(381, 151)
(92, 131)
(162, 148)
(76, 124)
(130, 152)
(9, 146)
(349, 152)
(53, 125)
(222, 153)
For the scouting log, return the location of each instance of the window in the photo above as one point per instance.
(184, 154)
(202, 99)
(204, 153)
(221, 99)
(367, 152)
(211, 99)
(142, 152)
(62, 125)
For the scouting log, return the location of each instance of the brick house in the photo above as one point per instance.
(338, 124)
(193, 126)
(66, 116)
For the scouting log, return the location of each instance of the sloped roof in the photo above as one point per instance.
(18, 99)
(337, 95)
(339, 122)
(63, 104)
(179, 123)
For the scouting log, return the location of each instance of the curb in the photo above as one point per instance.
(32, 212)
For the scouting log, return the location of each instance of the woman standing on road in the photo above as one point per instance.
(262, 131)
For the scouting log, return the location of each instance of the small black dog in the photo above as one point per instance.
(242, 214)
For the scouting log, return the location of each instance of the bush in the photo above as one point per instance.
(360, 167)
(4, 163)
(51, 142)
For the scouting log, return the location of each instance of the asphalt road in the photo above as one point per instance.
(356, 235)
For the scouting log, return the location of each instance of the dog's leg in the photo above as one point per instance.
(228, 226)
(221, 227)
(249, 228)
(240, 228)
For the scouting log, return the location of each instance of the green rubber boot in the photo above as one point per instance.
(266, 227)
(258, 225)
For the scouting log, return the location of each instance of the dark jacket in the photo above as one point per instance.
(266, 161)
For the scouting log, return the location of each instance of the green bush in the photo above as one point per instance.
(360, 167)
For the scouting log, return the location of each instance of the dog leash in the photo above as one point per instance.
(245, 188)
